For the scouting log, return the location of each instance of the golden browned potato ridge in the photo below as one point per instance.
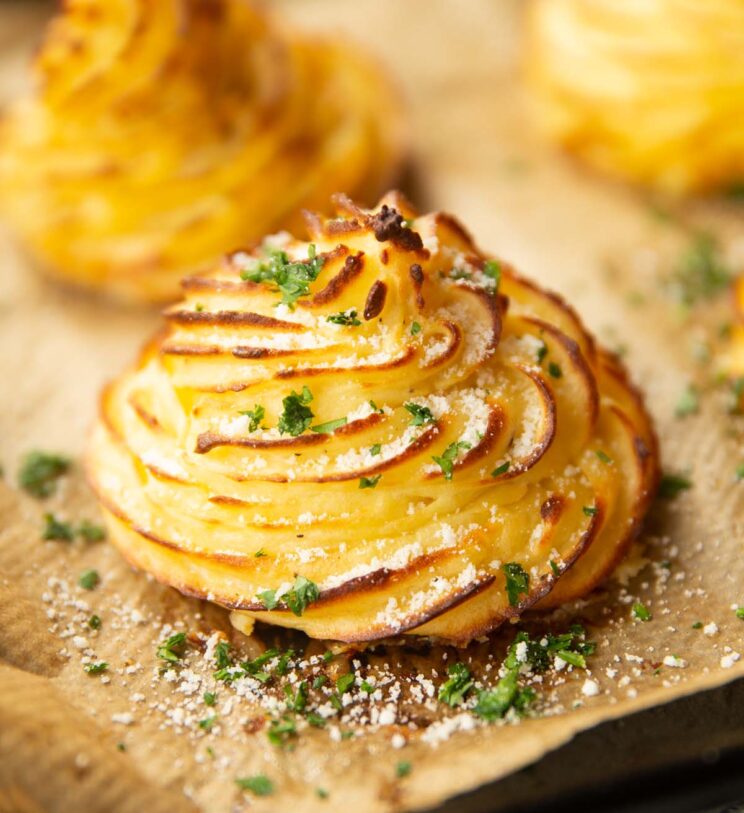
(647, 90)
(460, 438)
(162, 133)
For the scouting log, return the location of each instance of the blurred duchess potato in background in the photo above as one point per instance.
(161, 134)
(647, 90)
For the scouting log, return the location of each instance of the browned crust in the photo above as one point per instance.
(144, 415)
(452, 347)
(231, 319)
(543, 587)
(351, 269)
(577, 358)
(375, 301)
(552, 509)
(519, 467)
(302, 372)
(493, 430)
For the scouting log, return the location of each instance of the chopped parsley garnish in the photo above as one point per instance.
(315, 720)
(688, 403)
(542, 351)
(374, 406)
(268, 599)
(574, 658)
(303, 593)
(347, 318)
(369, 482)
(375, 450)
(415, 329)
(367, 688)
(492, 269)
(210, 698)
(40, 471)
(494, 703)
(501, 469)
(603, 456)
(292, 279)
(173, 648)
(454, 690)
(255, 416)
(260, 553)
(97, 668)
(282, 665)
(207, 723)
(297, 415)
(555, 369)
(319, 681)
(447, 461)
(56, 529)
(345, 683)
(590, 510)
(740, 613)
(222, 657)
(517, 582)
(672, 485)
(641, 612)
(89, 579)
(328, 656)
(554, 567)
(281, 731)
(321, 793)
(296, 701)
(329, 426)
(402, 769)
(698, 625)
(701, 272)
(421, 415)
(91, 532)
(94, 622)
(259, 785)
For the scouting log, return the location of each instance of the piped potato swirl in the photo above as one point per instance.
(650, 91)
(158, 134)
(378, 432)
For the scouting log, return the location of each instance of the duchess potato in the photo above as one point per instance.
(161, 134)
(651, 91)
(378, 432)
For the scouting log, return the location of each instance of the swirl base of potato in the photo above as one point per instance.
(648, 90)
(464, 426)
(163, 133)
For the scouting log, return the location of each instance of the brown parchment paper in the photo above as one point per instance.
(477, 156)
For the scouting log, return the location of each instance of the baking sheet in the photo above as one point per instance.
(596, 242)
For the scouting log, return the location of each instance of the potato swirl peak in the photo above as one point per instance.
(647, 90)
(160, 132)
(377, 432)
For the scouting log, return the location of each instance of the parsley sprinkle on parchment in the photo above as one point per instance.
(258, 785)
(40, 471)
